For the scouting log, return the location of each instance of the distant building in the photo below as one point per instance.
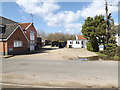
(39, 43)
(12, 38)
(80, 42)
(118, 34)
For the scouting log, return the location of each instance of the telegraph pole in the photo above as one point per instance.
(107, 19)
(106, 9)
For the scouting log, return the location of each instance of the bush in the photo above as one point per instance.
(89, 46)
(118, 51)
(110, 50)
(92, 46)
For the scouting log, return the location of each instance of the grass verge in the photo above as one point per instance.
(105, 57)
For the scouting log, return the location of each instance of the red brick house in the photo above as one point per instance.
(12, 38)
(31, 34)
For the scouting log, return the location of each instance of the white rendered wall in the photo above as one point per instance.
(118, 39)
(77, 45)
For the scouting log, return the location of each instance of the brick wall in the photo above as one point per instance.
(3, 48)
(8, 47)
(17, 36)
(31, 28)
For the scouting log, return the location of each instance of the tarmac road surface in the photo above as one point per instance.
(60, 73)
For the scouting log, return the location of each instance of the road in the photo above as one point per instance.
(60, 73)
(53, 67)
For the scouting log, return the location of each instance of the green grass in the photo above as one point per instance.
(116, 57)
(105, 56)
(100, 54)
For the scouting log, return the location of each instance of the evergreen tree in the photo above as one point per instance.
(94, 29)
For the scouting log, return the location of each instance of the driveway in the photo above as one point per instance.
(54, 53)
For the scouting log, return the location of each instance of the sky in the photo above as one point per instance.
(51, 16)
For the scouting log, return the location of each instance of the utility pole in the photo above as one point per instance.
(107, 20)
(106, 9)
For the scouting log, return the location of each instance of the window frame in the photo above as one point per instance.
(17, 44)
(32, 35)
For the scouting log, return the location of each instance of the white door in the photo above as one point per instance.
(32, 47)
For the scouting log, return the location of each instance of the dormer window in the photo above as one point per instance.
(2, 29)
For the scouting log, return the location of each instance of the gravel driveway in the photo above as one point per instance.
(54, 53)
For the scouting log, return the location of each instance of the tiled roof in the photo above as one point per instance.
(9, 27)
(8, 30)
(24, 25)
(5, 21)
(80, 37)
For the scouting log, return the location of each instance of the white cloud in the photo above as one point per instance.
(38, 8)
(73, 27)
(116, 23)
(62, 18)
(59, 31)
(98, 7)
(49, 10)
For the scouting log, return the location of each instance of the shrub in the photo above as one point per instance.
(92, 46)
(89, 46)
(118, 51)
(110, 50)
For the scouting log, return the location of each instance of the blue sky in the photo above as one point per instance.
(65, 17)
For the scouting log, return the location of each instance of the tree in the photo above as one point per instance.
(111, 31)
(110, 46)
(60, 37)
(94, 29)
(41, 33)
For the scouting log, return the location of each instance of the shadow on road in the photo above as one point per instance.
(41, 50)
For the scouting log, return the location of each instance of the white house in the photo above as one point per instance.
(80, 42)
(118, 35)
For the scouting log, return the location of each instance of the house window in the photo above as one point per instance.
(71, 42)
(82, 42)
(18, 43)
(32, 35)
(118, 34)
(77, 42)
